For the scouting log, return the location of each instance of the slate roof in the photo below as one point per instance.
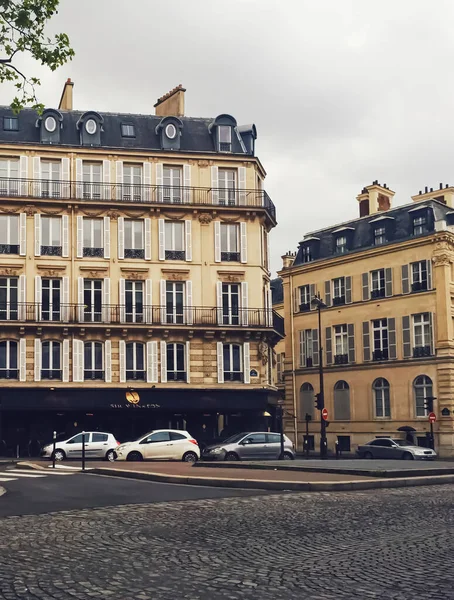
(277, 291)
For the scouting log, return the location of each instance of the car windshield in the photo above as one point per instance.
(234, 438)
(403, 443)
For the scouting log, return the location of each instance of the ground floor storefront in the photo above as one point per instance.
(28, 417)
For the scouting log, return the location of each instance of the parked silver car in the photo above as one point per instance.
(258, 445)
(395, 448)
(97, 445)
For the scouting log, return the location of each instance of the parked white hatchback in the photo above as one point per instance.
(97, 445)
(161, 444)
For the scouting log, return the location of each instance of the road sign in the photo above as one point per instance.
(432, 417)
(325, 414)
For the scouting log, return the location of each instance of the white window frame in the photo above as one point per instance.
(421, 267)
(380, 325)
(51, 359)
(280, 366)
(228, 184)
(421, 330)
(382, 392)
(176, 370)
(175, 317)
(230, 318)
(339, 287)
(95, 317)
(231, 346)
(227, 248)
(9, 231)
(170, 236)
(424, 387)
(419, 225)
(132, 182)
(93, 358)
(50, 309)
(379, 235)
(51, 178)
(11, 311)
(89, 222)
(134, 369)
(377, 281)
(90, 180)
(225, 129)
(8, 366)
(54, 222)
(341, 244)
(134, 225)
(172, 179)
(340, 340)
(304, 294)
(135, 316)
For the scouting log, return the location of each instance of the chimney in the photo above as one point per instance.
(66, 100)
(171, 104)
(287, 259)
(374, 198)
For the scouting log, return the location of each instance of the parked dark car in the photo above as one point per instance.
(394, 448)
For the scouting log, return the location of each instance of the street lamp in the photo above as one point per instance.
(320, 404)
(280, 405)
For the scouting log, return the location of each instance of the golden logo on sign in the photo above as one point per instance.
(133, 397)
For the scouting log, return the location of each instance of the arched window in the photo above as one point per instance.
(176, 361)
(135, 361)
(341, 401)
(51, 360)
(422, 387)
(8, 360)
(381, 398)
(307, 400)
(93, 360)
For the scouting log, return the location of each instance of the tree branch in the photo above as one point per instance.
(5, 61)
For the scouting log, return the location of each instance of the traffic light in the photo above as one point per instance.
(319, 402)
(429, 403)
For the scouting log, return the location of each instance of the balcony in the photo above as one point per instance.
(9, 249)
(9, 373)
(94, 252)
(51, 374)
(135, 375)
(305, 307)
(91, 375)
(380, 293)
(340, 359)
(142, 194)
(421, 351)
(338, 300)
(380, 354)
(419, 286)
(176, 375)
(233, 376)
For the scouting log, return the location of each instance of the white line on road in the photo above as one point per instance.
(28, 475)
(3, 479)
(41, 473)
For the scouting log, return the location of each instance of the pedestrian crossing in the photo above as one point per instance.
(18, 474)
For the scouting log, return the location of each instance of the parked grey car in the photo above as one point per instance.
(257, 445)
(97, 445)
(394, 448)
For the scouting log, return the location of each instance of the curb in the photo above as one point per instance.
(308, 486)
(2, 491)
(30, 465)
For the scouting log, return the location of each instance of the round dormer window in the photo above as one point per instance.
(171, 131)
(50, 124)
(90, 126)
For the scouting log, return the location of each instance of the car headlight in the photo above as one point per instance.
(216, 450)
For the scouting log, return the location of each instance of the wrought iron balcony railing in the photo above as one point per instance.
(148, 194)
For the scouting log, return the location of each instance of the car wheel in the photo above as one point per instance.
(111, 456)
(59, 455)
(134, 457)
(368, 455)
(190, 457)
(232, 456)
(407, 456)
(288, 456)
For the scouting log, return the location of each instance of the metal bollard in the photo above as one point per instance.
(83, 450)
(54, 439)
(337, 449)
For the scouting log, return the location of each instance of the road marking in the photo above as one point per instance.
(3, 479)
(40, 473)
(28, 475)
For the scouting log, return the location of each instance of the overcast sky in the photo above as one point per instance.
(342, 91)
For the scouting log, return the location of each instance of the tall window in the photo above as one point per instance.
(227, 186)
(379, 235)
(419, 276)
(304, 297)
(134, 301)
(176, 370)
(175, 302)
(8, 360)
(51, 178)
(92, 300)
(306, 253)
(93, 237)
(420, 225)
(380, 331)
(339, 290)
(230, 303)
(92, 180)
(381, 398)
(306, 348)
(135, 361)
(9, 234)
(280, 366)
(225, 138)
(172, 184)
(421, 335)
(174, 240)
(377, 281)
(93, 360)
(134, 239)
(50, 299)
(341, 402)
(9, 176)
(9, 298)
(230, 242)
(132, 182)
(423, 389)
(233, 370)
(51, 360)
(341, 244)
(51, 244)
(340, 344)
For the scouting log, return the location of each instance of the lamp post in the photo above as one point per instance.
(280, 405)
(320, 404)
(429, 406)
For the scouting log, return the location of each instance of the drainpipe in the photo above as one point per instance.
(295, 407)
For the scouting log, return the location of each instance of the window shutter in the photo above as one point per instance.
(189, 310)
(66, 178)
(312, 292)
(406, 337)
(36, 176)
(244, 304)
(220, 360)
(65, 361)
(37, 235)
(121, 237)
(187, 183)
(188, 362)
(366, 340)
(148, 301)
(78, 361)
(23, 169)
(268, 253)
(122, 357)
(108, 361)
(392, 338)
(302, 348)
(328, 293)
(429, 274)
(162, 286)
(365, 283)
(214, 185)
(405, 280)
(217, 241)
(388, 282)
(348, 290)
(147, 181)
(269, 320)
(106, 179)
(65, 309)
(351, 342)
(315, 348)
(22, 359)
(431, 333)
(247, 362)
(147, 227)
(243, 231)
(162, 240)
(79, 178)
(65, 236)
(163, 362)
(38, 297)
(23, 234)
(329, 346)
(152, 362)
(106, 237)
(219, 301)
(80, 299)
(80, 236)
(159, 181)
(242, 185)
(296, 299)
(37, 359)
(22, 308)
(119, 180)
(188, 238)
(122, 294)
(106, 300)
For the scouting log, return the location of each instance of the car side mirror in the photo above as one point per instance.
(246, 442)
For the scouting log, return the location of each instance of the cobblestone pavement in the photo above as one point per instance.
(386, 545)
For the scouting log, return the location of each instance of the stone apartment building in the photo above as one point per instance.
(133, 258)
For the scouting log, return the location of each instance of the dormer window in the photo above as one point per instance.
(50, 124)
(343, 238)
(341, 244)
(420, 224)
(171, 131)
(379, 235)
(225, 138)
(225, 134)
(10, 124)
(306, 254)
(127, 130)
(90, 126)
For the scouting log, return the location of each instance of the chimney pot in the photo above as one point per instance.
(431, 189)
(171, 104)
(426, 189)
(420, 192)
(66, 100)
(447, 185)
(441, 186)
